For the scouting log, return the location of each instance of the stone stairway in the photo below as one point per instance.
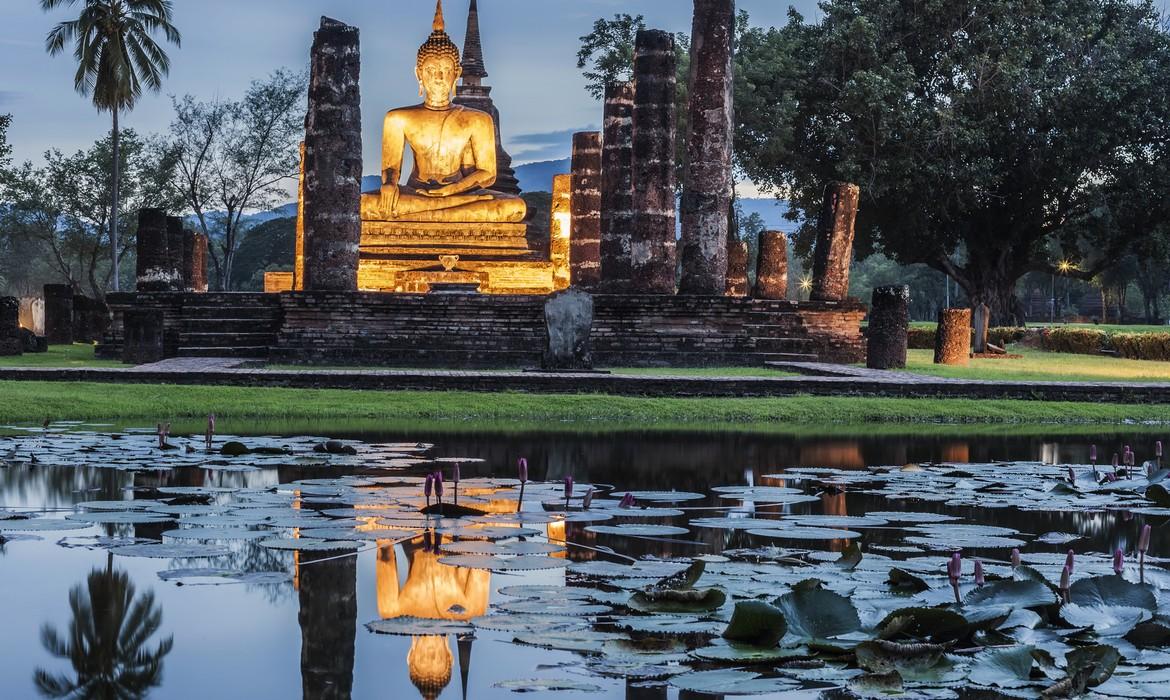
(237, 325)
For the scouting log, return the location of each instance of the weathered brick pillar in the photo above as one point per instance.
(834, 248)
(772, 266)
(653, 248)
(333, 160)
(617, 187)
(889, 326)
(59, 314)
(706, 195)
(737, 264)
(561, 230)
(585, 208)
(10, 338)
(175, 248)
(952, 342)
(154, 269)
(194, 262)
(327, 589)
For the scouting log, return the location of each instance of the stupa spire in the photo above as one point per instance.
(473, 68)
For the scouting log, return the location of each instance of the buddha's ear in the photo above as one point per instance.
(418, 77)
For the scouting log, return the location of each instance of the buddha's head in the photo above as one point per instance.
(438, 64)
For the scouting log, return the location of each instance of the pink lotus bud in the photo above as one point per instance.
(1065, 576)
(455, 474)
(1158, 449)
(438, 484)
(1015, 558)
(1070, 561)
(211, 422)
(1093, 454)
(568, 487)
(429, 485)
(522, 465)
(979, 579)
(1144, 540)
(627, 501)
(1118, 562)
(588, 501)
(955, 567)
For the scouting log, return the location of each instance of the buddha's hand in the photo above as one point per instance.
(390, 194)
(444, 191)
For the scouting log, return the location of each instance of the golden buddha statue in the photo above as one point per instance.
(453, 147)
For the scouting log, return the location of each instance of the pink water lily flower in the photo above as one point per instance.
(1070, 561)
(979, 578)
(1015, 558)
(1118, 561)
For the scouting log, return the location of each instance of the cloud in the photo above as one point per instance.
(543, 145)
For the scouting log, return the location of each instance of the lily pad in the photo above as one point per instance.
(215, 534)
(756, 623)
(630, 530)
(678, 601)
(814, 613)
(490, 563)
(418, 627)
(547, 685)
(306, 544)
(806, 533)
(1004, 668)
(731, 683)
(171, 551)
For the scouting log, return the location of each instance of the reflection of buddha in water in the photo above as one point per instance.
(454, 151)
(429, 663)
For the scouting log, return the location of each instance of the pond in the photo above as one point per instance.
(628, 566)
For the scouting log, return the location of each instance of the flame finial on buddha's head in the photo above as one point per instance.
(439, 44)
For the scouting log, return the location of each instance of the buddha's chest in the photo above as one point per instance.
(439, 142)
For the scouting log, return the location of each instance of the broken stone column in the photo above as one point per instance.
(737, 264)
(772, 266)
(706, 195)
(59, 314)
(952, 342)
(194, 262)
(981, 320)
(617, 187)
(560, 230)
(834, 248)
(11, 342)
(653, 247)
(143, 336)
(585, 208)
(175, 249)
(155, 270)
(568, 317)
(333, 160)
(889, 328)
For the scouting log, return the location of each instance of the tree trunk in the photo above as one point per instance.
(116, 140)
(994, 284)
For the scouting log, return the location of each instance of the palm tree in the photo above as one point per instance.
(116, 57)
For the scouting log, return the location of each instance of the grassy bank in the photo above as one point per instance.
(146, 404)
(77, 355)
(1036, 365)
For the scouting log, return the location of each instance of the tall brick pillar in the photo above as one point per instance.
(707, 185)
(560, 230)
(333, 160)
(194, 262)
(11, 342)
(653, 248)
(772, 266)
(737, 268)
(585, 207)
(889, 328)
(617, 187)
(59, 314)
(155, 269)
(834, 249)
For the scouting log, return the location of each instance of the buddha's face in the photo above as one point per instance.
(436, 77)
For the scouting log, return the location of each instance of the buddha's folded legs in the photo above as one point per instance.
(474, 207)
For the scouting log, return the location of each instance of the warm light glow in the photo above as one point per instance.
(806, 284)
(1065, 266)
(432, 590)
(430, 661)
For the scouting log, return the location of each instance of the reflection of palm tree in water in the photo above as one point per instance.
(106, 642)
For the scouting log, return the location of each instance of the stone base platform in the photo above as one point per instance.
(463, 331)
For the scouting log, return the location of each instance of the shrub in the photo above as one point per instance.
(921, 338)
(1080, 341)
(1142, 346)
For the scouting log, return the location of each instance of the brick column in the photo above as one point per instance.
(561, 230)
(834, 248)
(772, 266)
(333, 160)
(155, 271)
(737, 263)
(952, 343)
(10, 338)
(617, 187)
(59, 314)
(653, 248)
(585, 208)
(706, 196)
(194, 262)
(889, 326)
(144, 336)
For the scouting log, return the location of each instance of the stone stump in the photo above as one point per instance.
(59, 314)
(707, 185)
(952, 342)
(91, 318)
(176, 251)
(10, 337)
(194, 262)
(889, 328)
(737, 265)
(585, 209)
(568, 317)
(155, 268)
(144, 336)
(653, 247)
(617, 187)
(981, 320)
(834, 247)
(33, 343)
(333, 160)
(772, 266)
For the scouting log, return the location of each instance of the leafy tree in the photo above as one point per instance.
(266, 247)
(236, 157)
(979, 130)
(117, 57)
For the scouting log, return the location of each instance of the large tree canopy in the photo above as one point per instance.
(981, 131)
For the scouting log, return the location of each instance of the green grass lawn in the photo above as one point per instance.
(1037, 365)
(76, 355)
(1108, 328)
(628, 371)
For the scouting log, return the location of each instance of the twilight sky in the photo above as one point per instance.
(530, 50)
